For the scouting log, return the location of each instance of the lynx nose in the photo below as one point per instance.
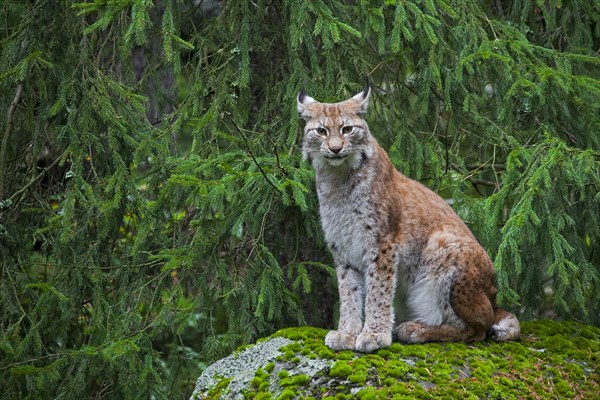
(335, 145)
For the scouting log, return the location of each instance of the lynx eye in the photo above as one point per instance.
(321, 131)
(347, 129)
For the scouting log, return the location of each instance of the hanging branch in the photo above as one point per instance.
(276, 155)
(9, 119)
(262, 171)
(37, 177)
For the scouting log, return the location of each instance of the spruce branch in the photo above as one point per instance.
(37, 177)
(9, 120)
(262, 171)
(77, 352)
(32, 360)
(476, 181)
(16, 295)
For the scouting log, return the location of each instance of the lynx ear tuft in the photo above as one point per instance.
(363, 99)
(302, 102)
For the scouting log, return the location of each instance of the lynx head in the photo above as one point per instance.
(335, 133)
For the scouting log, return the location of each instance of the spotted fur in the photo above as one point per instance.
(384, 228)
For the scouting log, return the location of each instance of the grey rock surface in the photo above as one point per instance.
(240, 367)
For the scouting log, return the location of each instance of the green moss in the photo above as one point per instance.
(345, 355)
(341, 369)
(242, 348)
(255, 382)
(310, 343)
(358, 377)
(259, 384)
(399, 389)
(326, 353)
(395, 348)
(394, 368)
(552, 357)
(305, 351)
(483, 370)
(283, 374)
(563, 389)
(360, 367)
(374, 360)
(261, 373)
(269, 367)
(302, 333)
(371, 393)
(295, 347)
(301, 379)
(295, 380)
(218, 389)
(286, 394)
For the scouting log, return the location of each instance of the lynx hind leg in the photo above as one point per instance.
(480, 312)
(506, 326)
(473, 318)
(449, 307)
(471, 302)
(420, 332)
(430, 306)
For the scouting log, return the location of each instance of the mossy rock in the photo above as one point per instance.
(552, 360)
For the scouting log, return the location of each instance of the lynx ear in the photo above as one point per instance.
(303, 101)
(363, 99)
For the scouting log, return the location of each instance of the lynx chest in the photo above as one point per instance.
(347, 224)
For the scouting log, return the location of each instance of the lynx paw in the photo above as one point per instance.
(367, 342)
(410, 332)
(504, 332)
(337, 340)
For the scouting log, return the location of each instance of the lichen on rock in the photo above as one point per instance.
(553, 359)
(239, 368)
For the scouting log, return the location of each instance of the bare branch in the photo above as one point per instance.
(9, 119)
(36, 178)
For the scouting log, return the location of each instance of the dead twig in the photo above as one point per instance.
(36, 178)
(9, 120)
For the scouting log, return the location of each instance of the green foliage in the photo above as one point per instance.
(154, 209)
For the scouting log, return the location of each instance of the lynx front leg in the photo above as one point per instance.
(379, 315)
(351, 289)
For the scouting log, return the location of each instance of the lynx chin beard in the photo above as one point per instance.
(336, 161)
(353, 159)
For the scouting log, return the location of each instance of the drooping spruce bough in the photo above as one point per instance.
(154, 209)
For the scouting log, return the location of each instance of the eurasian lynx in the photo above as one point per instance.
(384, 229)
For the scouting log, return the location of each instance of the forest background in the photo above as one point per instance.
(155, 212)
